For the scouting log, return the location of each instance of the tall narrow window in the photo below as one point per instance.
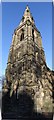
(22, 36)
(23, 19)
(33, 34)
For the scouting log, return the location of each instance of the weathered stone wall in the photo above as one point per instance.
(27, 71)
(27, 74)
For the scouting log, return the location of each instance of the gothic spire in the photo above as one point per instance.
(27, 16)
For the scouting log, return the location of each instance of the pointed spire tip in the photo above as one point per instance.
(27, 7)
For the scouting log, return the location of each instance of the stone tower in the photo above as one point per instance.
(27, 71)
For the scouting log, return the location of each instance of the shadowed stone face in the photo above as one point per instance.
(27, 70)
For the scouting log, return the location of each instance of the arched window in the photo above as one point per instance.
(22, 36)
(33, 34)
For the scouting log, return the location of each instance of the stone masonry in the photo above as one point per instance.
(27, 71)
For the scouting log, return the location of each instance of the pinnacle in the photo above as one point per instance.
(27, 7)
(27, 14)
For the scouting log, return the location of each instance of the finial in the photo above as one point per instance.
(27, 7)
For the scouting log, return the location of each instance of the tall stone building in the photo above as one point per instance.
(27, 75)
